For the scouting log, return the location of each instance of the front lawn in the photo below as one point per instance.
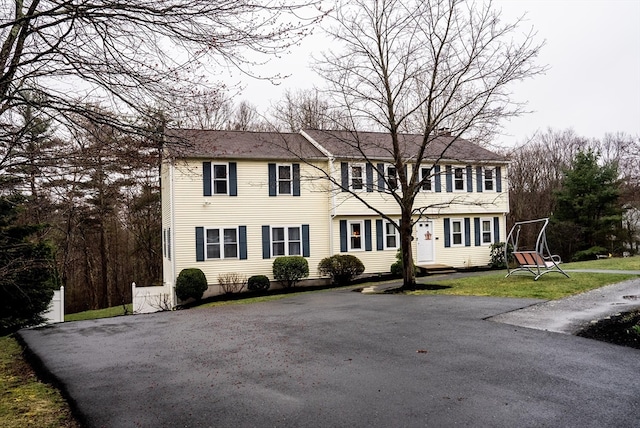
(613, 263)
(113, 311)
(549, 287)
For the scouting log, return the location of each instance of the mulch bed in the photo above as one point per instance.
(618, 329)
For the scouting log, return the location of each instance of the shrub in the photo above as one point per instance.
(397, 268)
(191, 282)
(258, 283)
(589, 254)
(290, 269)
(232, 282)
(498, 259)
(341, 268)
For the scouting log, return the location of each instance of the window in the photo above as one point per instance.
(487, 231)
(221, 243)
(456, 232)
(355, 235)
(426, 180)
(357, 176)
(284, 179)
(392, 177)
(489, 177)
(458, 179)
(390, 236)
(220, 179)
(286, 241)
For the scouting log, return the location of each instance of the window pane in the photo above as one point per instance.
(213, 251)
(390, 229)
(213, 236)
(356, 243)
(356, 177)
(457, 239)
(230, 250)
(391, 241)
(284, 172)
(230, 236)
(426, 185)
(294, 234)
(458, 173)
(488, 174)
(284, 187)
(220, 187)
(278, 248)
(355, 229)
(486, 237)
(392, 177)
(457, 227)
(277, 233)
(220, 171)
(294, 248)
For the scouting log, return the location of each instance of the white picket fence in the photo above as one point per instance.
(55, 313)
(151, 299)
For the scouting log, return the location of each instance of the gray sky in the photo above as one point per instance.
(593, 84)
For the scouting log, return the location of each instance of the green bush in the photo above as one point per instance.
(341, 268)
(258, 283)
(290, 269)
(191, 282)
(397, 268)
(589, 254)
(498, 259)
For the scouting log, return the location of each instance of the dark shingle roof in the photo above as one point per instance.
(194, 143)
(377, 146)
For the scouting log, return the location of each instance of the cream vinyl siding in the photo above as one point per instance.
(253, 208)
(167, 230)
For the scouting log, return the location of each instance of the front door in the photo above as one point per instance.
(425, 242)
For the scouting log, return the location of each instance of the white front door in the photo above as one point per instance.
(426, 241)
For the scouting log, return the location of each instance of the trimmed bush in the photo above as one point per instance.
(191, 282)
(397, 268)
(589, 254)
(258, 283)
(342, 268)
(498, 259)
(290, 269)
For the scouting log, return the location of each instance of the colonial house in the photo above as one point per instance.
(233, 201)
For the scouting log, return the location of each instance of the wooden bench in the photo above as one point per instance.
(535, 263)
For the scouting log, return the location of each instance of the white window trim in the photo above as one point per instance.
(363, 177)
(464, 178)
(286, 239)
(462, 232)
(290, 166)
(361, 223)
(493, 179)
(385, 235)
(431, 179)
(490, 220)
(221, 230)
(213, 178)
(398, 188)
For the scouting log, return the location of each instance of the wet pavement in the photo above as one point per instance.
(338, 358)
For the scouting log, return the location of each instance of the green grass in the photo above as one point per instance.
(24, 400)
(99, 313)
(268, 298)
(549, 287)
(614, 263)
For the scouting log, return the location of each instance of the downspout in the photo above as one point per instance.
(173, 233)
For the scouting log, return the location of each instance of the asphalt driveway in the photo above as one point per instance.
(339, 359)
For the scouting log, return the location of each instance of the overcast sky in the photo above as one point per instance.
(593, 84)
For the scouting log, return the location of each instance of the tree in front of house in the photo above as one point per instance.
(414, 66)
(26, 269)
(588, 212)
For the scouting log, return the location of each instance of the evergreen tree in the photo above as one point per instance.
(26, 274)
(588, 213)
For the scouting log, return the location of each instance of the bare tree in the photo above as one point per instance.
(303, 109)
(420, 66)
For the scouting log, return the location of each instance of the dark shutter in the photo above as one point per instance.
(242, 242)
(380, 168)
(467, 232)
(206, 178)
(367, 235)
(449, 178)
(369, 169)
(296, 179)
(266, 242)
(169, 243)
(343, 236)
(438, 179)
(447, 232)
(498, 179)
(199, 244)
(272, 181)
(344, 176)
(476, 229)
(496, 229)
(233, 179)
(379, 235)
(306, 246)
(469, 179)
(479, 182)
